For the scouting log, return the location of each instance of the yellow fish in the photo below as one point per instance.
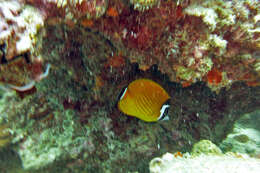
(146, 100)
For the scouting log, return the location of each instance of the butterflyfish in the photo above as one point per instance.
(144, 99)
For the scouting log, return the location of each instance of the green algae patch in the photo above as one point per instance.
(242, 138)
(205, 147)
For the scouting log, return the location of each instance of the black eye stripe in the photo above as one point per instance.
(121, 93)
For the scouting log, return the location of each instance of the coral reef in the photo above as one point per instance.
(188, 40)
(64, 63)
(71, 123)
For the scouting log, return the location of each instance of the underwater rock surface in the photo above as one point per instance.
(205, 157)
(245, 137)
(204, 163)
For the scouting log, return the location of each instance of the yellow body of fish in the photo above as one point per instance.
(144, 99)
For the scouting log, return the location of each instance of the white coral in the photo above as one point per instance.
(19, 26)
(209, 16)
(168, 163)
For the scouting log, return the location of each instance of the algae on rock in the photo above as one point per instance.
(245, 137)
